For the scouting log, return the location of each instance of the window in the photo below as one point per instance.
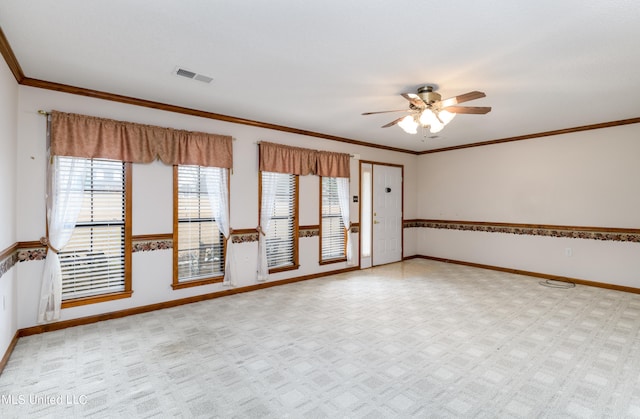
(199, 246)
(96, 261)
(333, 246)
(282, 234)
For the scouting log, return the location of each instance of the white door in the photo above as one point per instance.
(387, 214)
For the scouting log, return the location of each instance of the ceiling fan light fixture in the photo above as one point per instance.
(428, 110)
(435, 120)
(427, 117)
(430, 119)
(409, 124)
(446, 116)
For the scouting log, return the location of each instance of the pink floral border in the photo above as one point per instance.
(244, 237)
(151, 245)
(25, 255)
(530, 231)
(39, 253)
(253, 237)
(8, 263)
(313, 232)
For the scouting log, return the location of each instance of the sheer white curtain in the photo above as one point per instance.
(343, 198)
(267, 204)
(65, 193)
(216, 179)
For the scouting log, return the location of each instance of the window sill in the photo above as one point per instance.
(283, 269)
(330, 261)
(196, 282)
(94, 299)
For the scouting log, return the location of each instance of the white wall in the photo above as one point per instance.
(8, 143)
(589, 178)
(581, 179)
(152, 197)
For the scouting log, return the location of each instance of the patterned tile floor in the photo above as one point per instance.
(415, 339)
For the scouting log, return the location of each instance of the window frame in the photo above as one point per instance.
(322, 261)
(176, 284)
(296, 223)
(128, 291)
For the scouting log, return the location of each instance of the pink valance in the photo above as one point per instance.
(302, 161)
(287, 159)
(91, 137)
(332, 164)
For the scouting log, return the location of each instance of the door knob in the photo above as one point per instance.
(376, 222)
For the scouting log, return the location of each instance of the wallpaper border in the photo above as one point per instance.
(30, 251)
(34, 250)
(572, 232)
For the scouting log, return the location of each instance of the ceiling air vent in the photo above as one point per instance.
(203, 78)
(192, 75)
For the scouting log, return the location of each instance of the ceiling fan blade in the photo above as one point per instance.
(460, 99)
(469, 109)
(392, 123)
(373, 113)
(415, 100)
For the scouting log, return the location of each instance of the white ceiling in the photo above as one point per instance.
(316, 66)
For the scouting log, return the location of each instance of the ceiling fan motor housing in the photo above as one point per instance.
(427, 94)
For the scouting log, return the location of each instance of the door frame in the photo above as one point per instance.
(374, 163)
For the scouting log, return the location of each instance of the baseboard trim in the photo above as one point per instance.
(533, 274)
(9, 351)
(34, 330)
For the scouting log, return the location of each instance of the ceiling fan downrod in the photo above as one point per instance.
(427, 94)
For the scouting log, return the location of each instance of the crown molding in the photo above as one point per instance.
(537, 135)
(10, 58)
(14, 66)
(43, 84)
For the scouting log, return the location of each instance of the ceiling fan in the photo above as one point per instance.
(428, 110)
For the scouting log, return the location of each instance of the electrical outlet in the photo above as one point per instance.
(568, 252)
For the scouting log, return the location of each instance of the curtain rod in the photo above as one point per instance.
(45, 113)
(350, 155)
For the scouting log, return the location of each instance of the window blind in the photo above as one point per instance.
(332, 229)
(200, 242)
(93, 261)
(281, 235)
